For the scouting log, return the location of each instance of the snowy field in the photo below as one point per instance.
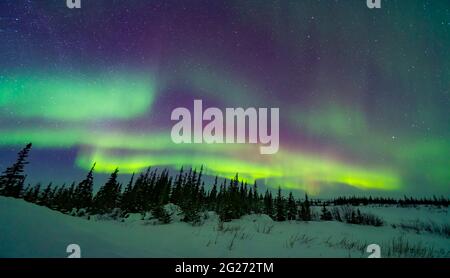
(28, 230)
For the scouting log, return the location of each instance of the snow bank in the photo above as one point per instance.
(28, 230)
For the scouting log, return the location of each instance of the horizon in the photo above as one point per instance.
(101, 178)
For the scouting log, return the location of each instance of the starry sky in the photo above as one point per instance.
(363, 94)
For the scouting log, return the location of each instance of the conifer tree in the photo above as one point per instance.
(142, 192)
(191, 212)
(45, 197)
(268, 204)
(28, 192)
(212, 197)
(325, 214)
(221, 196)
(35, 195)
(107, 197)
(201, 196)
(256, 206)
(52, 198)
(162, 189)
(292, 207)
(13, 178)
(68, 202)
(59, 198)
(83, 192)
(160, 213)
(126, 203)
(199, 178)
(280, 207)
(226, 213)
(305, 210)
(177, 192)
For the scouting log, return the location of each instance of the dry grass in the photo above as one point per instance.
(421, 226)
(264, 229)
(297, 238)
(397, 247)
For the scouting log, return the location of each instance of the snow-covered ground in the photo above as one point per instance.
(28, 230)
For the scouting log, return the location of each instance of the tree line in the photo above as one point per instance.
(152, 189)
(406, 201)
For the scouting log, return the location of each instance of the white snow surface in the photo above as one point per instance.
(28, 230)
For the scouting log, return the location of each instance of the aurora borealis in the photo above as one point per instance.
(363, 94)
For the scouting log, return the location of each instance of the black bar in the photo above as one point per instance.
(297, 267)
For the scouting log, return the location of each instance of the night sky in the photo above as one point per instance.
(363, 94)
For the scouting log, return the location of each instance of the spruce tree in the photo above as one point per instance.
(280, 207)
(268, 204)
(45, 198)
(59, 198)
(13, 178)
(166, 189)
(191, 212)
(127, 200)
(107, 197)
(226, 213)
(221, 197)
(142, 192)
(212, 197)
(53, 198)
(305, 210)
(292, 207)
(68, 203)
(325, 214)
(201, 196)
(176, 194)
(35, 195)
(83, 192)
(27, 194)
(256, 206)
(160, 213)
(234, 200)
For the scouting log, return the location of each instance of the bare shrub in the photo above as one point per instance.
(349, 215)
(221, 227)
(399, 247)
(418, 227)
(264, 229)
(296, 238)
(231, 244)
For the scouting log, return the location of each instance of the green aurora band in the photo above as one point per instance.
(363, 98)
(293, 168)
(47, 95)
